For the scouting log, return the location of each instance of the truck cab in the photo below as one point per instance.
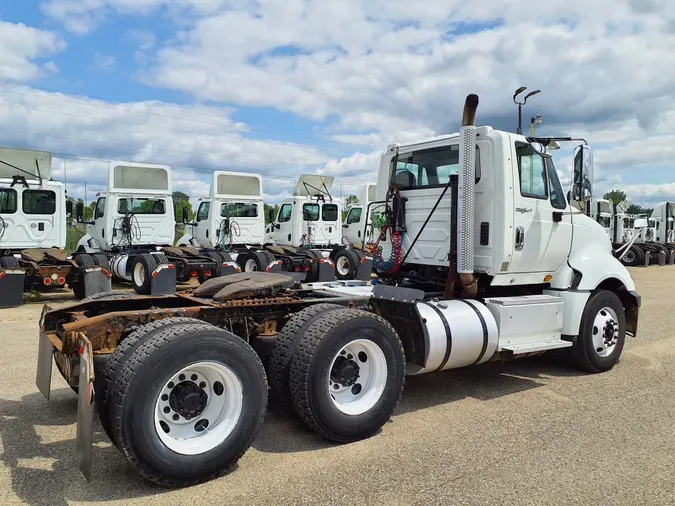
(602, 212)
(32, 207)
(523, 224)
(311, 217)
(137, 209)
(231, 216)
(662, 217)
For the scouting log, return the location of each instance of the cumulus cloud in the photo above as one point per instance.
(21, 46)
(195, 140)
(378, 72)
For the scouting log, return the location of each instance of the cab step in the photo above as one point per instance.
(552, 344)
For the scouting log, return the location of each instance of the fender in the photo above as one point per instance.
(188, 240)
(85, 244)
(596, 264)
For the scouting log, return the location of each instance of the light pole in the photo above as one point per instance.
(534, 121)
(521, 104)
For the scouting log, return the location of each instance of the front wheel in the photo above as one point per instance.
(602, 333)
(347, 375)
(187, 403)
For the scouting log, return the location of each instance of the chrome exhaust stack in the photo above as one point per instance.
(466, 198)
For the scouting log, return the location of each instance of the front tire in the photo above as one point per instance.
(226, 369)
(346, 264)
(348, 374)
(602, 333)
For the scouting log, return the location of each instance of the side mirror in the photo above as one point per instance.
(79, 212)
(582, 189)
(270, 215)
(69, 208)
(185, 215)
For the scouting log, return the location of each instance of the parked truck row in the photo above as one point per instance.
(130, 237)
(637, 240)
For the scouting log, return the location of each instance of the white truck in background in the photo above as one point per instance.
(307, 233)
(133, 229)
(33, 214)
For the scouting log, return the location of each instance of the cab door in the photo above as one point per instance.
(201, 232)
(353, 226)
(542, 232)
(284, 234)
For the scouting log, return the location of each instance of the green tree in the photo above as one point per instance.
(180, 201)
(352, 199)
(615, 196)
(275, 209)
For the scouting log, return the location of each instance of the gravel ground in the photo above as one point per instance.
(528, 432)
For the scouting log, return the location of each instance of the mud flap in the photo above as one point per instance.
(43, 377)
(163, 280)
(96, 280)
(326, 270)
(275, 266)
(229, 268)
(365, 269)
(85, 409)
(671, 257)
(11, 287)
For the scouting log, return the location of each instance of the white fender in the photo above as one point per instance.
(84, 244)
(596, 264)
(188, 240)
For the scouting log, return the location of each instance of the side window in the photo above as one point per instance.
(354, 215)
(532, 172)
(7, 201)
(558, 200)
(100, 208)
(39, 202)
(285, 213)
(203, 211)
(329, 212)
(310, 212)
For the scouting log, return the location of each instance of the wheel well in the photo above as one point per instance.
(630, 301)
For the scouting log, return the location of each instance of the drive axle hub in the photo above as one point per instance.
(188, 400)
(345, 371)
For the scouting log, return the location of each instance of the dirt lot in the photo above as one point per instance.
(529, 432)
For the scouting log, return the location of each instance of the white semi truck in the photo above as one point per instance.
(307, 230)
(133, 229)
(33, 214)
(482, 259)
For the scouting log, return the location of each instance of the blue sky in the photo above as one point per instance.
(283, 88)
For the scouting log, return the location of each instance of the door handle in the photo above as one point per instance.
(520, 238)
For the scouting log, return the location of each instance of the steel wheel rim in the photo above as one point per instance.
(250, 265)
(208, 428)
(139, 273)
(357, 395)
(629, 257)
(343, 265)
(605, 332)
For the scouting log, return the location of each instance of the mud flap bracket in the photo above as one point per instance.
(163, 280)
(85, 408)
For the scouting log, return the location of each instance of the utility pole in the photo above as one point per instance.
(85, 194)
(521, 104)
